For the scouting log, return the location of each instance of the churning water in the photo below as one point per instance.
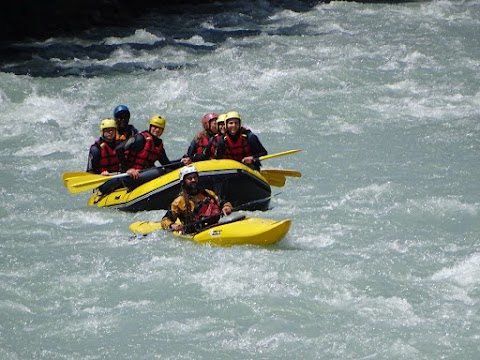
(383, 257)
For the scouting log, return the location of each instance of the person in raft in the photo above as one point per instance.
(204, 207)
(144, 149)
(102, 157)
(199, 144)
(209, 151)
(239, 143)
(125, 131)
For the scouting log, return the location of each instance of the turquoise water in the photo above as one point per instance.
(383, 257)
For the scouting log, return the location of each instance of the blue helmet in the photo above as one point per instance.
(120, 108)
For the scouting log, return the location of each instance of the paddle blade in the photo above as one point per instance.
(273, 179)
(292, 173)
(68, 175)
(145, 227)
(86, 182)
(271, 156)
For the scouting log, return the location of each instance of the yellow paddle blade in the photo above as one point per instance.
(270, 156)
(285, 172)
(86, 182)
(273, 179)
(145, 227)
(68, 175)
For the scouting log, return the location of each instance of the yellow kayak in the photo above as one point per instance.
(244, 230)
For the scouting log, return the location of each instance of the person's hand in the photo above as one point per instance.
(186, 161)
(133, 173)
(227, 210)
(105, 173)
(176, 227)
(247, 160)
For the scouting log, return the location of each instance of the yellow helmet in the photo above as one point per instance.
(107, 124)
(233, 115)
(221, 118)
(158, 121)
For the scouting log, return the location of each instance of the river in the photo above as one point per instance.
(383, 257)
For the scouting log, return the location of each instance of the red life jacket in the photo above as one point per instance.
(202, 144)
(207, 208)
(147, 156)
(239, 149)
(108, 157)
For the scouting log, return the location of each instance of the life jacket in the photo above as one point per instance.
(108, 157)
(147, 156)
(207, 209)
(202, 143)
(239, 149)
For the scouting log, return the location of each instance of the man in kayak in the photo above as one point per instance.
(102, 157)
(125, 131)
(239, 143)
(196, 150)
(204, 208)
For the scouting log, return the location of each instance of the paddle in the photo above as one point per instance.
(283, 153)
(277, 177)
(146, 227)
(88, 181)
(274, 179)
(292, 173)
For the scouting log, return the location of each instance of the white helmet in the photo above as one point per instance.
(190, 169)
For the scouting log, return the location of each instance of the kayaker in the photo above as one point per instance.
(144, 149)
(125, 131)
(239, 143)
(204, 208)
(196, 150)
(102, 157)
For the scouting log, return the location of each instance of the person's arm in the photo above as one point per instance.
(93, 164)
(225, 206)
(122, 147)
(192, 149)
(167, 220)
(257, 151)
(134, 130)
(171, 216)
(220, 150)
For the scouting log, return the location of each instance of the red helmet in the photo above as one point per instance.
(206, 120)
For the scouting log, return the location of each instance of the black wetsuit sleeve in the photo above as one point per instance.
(192, 149)
(220, 150)
(257, 149)
(93, 165)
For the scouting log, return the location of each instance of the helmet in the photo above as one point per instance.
(190, 169)
(158, 121)
(121, 108)
(107, 124)
(233, 115)
(206, 120)
(221, 118)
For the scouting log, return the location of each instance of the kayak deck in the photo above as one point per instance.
(246, 231)
(242, 230)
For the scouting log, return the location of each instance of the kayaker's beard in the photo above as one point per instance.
(192, 188)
